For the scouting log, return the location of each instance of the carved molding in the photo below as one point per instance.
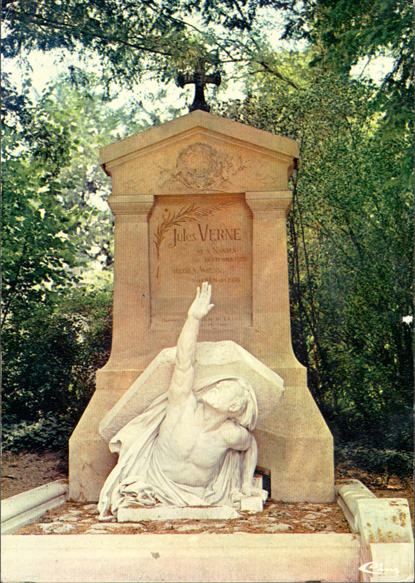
(129, 205)
(278, 200)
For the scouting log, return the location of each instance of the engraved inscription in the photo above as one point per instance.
(204, 233)
(209, 239)
(172, 219)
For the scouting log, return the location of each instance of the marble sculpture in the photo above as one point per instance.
(193, 445)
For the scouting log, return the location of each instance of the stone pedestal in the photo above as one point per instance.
(165, 512)
(203, 198)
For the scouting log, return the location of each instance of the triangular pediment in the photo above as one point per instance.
(199, 152)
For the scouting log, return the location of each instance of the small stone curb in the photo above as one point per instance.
(384, 525)
(25, 508)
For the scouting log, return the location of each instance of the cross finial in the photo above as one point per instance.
(200, 80)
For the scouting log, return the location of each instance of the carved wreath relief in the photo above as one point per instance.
(200, 167)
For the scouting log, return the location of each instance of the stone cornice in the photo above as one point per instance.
(277, 200)
(131, 204)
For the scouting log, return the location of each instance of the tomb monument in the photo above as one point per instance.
(203, 198)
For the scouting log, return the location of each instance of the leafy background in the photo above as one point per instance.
(350, 231)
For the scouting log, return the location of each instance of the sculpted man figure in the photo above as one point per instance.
(192, 446)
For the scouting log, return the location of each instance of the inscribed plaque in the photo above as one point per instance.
(201, 238)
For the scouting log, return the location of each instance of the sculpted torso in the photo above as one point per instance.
(189, 449)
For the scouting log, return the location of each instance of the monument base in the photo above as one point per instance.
(167, 512)
(296, 447)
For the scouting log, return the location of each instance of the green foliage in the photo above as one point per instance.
(55, 330)
(132, 38)
(343, 32)
(50, 433)
(126, 36)
(351, 253)
(37, 252)
(377, 460)
(54, 189)
(49, 369)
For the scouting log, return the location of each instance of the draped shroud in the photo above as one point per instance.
(138, 479)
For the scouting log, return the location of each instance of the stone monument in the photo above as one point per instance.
(205, 198)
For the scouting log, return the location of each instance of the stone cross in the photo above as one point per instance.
(200, 80)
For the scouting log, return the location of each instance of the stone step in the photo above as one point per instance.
(181, 558)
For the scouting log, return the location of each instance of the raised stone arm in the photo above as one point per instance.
(183, 375)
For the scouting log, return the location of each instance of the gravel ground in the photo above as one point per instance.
(277, 517)
(23, 471)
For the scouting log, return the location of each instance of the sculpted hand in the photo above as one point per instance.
(249, 490)
(201, 305)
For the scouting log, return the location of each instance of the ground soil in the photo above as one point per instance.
(26, 470)
(23, 471)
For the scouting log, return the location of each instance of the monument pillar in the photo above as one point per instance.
(132, 307)
(270, 310)
(203, 198)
